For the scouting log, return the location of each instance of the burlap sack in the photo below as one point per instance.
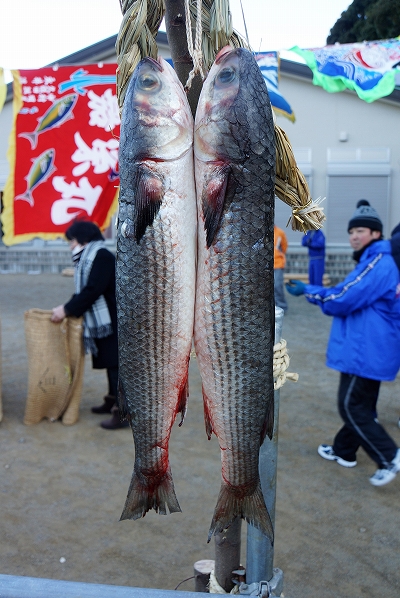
(56, 364)
(1, 406)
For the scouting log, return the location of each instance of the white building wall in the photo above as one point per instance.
(372, 143)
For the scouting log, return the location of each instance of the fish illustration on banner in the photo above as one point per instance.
(63, 151)
(41, 169)
(55, 116)
(368, 68)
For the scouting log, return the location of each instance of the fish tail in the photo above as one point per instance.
(32, 137)
(251, 507)
(142, 496)
(26, 197)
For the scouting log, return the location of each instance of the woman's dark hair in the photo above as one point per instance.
(84, 232)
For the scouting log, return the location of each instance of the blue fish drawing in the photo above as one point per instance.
(41, 169)
(80, 79)
(58, 113)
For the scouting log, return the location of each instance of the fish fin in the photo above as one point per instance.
(122, 402)
(231, 504)
(183, 397)
(207, 416)
(149, 194)
(143, 496)
(268, 427)
(32, 137)
(214, 199)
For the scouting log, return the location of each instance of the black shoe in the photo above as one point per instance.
(115, 423)
(106, 407)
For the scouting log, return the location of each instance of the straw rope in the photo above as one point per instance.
(292, 188)
(136, 38)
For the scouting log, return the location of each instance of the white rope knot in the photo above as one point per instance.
(280, 365)
(195, 51)
(215, 588)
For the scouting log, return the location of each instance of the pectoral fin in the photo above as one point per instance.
(216, 191)
(148, 199)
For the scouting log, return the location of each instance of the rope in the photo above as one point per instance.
(292, 188)
(280, 365)
(136, 38)
(194, 51)
(216, 28)
(215, 588)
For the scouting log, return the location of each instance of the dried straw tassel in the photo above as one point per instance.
(292, 188)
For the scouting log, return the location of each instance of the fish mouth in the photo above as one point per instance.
(223, 54)
(153, 62)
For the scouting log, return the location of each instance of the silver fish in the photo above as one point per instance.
(234, 144)
(156, 253)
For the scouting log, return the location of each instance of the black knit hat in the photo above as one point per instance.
(365, 216)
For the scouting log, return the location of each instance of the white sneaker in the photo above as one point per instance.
(326, 452)
(384, 476)
(396, 462)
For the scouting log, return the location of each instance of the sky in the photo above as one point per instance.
(34, 33)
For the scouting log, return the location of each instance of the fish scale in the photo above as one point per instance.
(234, 314)
(155, 282)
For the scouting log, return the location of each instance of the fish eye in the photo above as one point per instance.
(148, 82)
(226, 75)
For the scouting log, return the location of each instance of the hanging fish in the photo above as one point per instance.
(155, 282)
(41, 169)
(234, 317)
(58, 113)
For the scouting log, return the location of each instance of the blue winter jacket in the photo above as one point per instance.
(315, 241)
(365, 333)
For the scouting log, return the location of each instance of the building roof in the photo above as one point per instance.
(106, 48)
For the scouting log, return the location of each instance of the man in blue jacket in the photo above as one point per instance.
(363, 344)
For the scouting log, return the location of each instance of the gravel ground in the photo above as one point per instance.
(63, 488)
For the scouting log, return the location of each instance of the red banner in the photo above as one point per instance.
(63, 151)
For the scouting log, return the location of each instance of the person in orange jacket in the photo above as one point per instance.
(280, 248)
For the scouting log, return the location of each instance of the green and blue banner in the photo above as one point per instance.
(368, 68)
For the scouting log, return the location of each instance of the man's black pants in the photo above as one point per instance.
(357, 400)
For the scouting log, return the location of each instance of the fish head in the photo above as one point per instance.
(233, 110)
(156, 122)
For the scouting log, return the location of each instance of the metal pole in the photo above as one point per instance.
(33, 587)
(227, 554)
(260, 552)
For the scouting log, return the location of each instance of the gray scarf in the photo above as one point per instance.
(96, 320)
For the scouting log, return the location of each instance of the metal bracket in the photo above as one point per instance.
(264, 589)
(260, 589)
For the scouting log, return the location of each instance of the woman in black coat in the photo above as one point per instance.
(94, 299)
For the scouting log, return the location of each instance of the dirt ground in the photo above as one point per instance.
(63, 488)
